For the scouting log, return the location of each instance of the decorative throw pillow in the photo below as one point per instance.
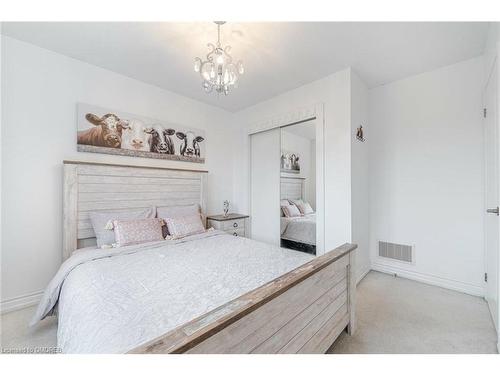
(183, 226)
(130, 232)
(297, 201)
(99, 219)
(305, 208)
(291, 211)
(177, 211)
(284, 202)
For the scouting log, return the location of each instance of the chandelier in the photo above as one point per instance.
(218, 71)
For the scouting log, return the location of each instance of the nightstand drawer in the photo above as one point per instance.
(237, 232)
(231, 225)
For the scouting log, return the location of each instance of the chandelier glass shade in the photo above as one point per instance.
(218, 71)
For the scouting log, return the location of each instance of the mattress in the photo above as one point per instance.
(299, 229)
(113, 300)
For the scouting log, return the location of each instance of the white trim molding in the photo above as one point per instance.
(290, 117)
(20, 302)
(362, 275)
(456, 285)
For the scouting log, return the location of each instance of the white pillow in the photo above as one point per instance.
(284, 202)
(305, 208)
(291, 211)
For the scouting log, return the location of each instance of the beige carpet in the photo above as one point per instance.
(395, 315)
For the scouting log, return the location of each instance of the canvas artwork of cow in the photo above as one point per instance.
(112, 132)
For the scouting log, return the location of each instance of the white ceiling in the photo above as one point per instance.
(277, 56)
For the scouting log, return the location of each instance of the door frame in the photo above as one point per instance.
(489, 76)
(314, 112)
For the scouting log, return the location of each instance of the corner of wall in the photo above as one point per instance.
(360, 218)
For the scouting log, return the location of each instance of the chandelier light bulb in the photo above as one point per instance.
(197, 65)
(241, 69)
(218, 71)
(220, 59)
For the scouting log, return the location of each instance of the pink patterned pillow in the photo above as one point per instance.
(183, 226)
(291, 211)
(129, 232)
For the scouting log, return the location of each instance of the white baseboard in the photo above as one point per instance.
(21, 302)
(362, 275)
(459, 286)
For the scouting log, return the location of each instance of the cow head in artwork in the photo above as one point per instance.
(111, 127)
(161, 141)
(190, 145)
(137, 136)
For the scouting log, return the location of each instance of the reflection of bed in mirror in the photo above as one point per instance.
(298, 233)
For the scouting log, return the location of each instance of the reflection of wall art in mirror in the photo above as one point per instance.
(290, 162)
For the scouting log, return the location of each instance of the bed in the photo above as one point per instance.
(206, 293)
(301, 230)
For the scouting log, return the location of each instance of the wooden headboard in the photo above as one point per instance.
(292, 188)
(101, 187)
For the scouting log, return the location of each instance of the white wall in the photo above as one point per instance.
(491, 48)
(39, 132)
(360, 190)
(426, 174)
(304, 148)
(491, 61)
(1, 165)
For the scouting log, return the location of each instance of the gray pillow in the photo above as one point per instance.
(177, 211)
(99, 219)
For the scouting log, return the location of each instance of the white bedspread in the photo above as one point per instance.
(299, 229)
(110, 301)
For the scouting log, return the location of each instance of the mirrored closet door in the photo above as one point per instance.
(298, 187)
(286, 187)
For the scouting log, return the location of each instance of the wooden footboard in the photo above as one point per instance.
(302, 311)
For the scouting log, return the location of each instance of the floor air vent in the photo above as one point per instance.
(395, 251)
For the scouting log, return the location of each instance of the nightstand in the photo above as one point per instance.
(232, 223)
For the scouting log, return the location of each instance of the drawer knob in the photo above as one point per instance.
(235, 234)
(235, 225)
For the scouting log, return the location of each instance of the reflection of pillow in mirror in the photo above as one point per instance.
(291, 211)
(305, 208)
(297, 201)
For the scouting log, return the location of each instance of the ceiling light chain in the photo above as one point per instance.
(218, 71)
